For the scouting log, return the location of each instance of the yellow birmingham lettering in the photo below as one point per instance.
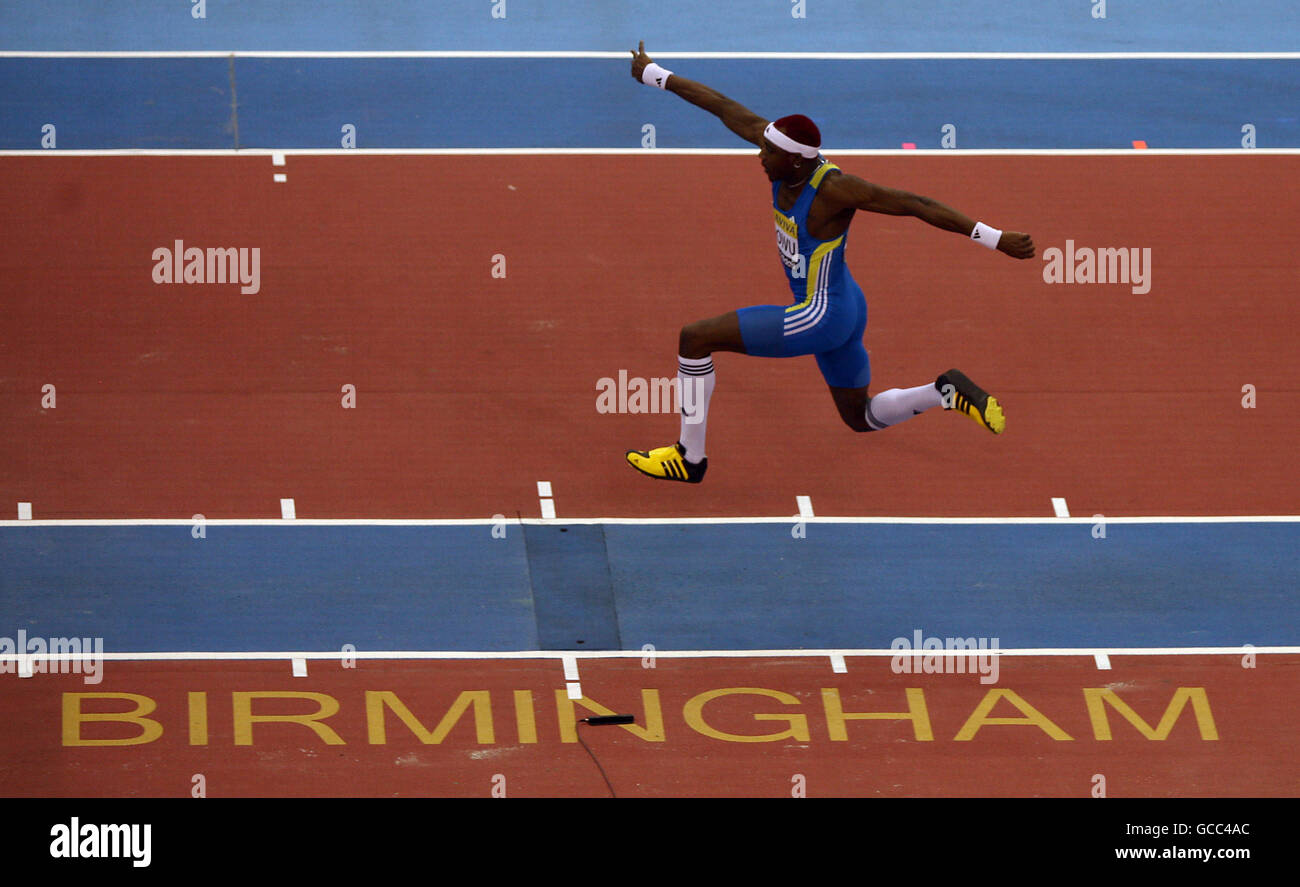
(242, 703)
(916, 712)
(74, 717)
(1032, 717)
(1098, 698)
(198, 718)
(693, 712)
(378, 700)
(525, 716)
(653, 731)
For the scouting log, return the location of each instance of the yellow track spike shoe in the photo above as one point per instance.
(960, 393)
(668, 463)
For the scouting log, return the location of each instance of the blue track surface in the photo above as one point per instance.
(593, 103)
(712, 586)
(700, 25)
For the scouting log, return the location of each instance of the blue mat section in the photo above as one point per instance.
(117, 103)
(269, 588)
(572, 594)
(710, 586)
(593, 103)
(860, 586)
(682, 25)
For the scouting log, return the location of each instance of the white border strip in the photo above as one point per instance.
(644, 152)
(636, 521)
(670, 654)
(624, 55)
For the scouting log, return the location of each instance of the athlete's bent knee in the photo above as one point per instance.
(692, 342)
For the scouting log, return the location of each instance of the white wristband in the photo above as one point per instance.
(985, 235)
(654, 75)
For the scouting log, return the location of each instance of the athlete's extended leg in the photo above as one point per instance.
(952, 391)
(864, 413)
(685, 460)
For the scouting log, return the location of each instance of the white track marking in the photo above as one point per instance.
(1103, 661)
(288, 511)
(299, 667)
(333, 655)
(837, 663)
(686, 152)
(25, 511)
(805, 505)
(646, 521)
(622, 55)
(1059, 506)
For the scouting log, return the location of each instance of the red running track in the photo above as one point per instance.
(377, 272)
(705, 727)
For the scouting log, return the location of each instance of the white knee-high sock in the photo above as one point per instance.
(695, 380)
(893, 406)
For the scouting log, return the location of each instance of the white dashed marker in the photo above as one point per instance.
(837, 664)
(24, 666)
(805, 505)
(547, 503)
(571, 685)
(277, 159)
(1058, 505)
(24, 511)
(287, 509)
(299, 667)
(1103, 661)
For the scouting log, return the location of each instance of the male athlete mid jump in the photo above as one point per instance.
(814, 203)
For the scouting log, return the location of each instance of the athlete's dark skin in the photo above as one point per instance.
(838, 198)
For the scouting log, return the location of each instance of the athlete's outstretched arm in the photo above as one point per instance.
(739, 119)
(852, 192)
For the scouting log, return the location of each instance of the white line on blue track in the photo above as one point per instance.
(644, 152)
(623, 55)
(333, 655)
(638, 521)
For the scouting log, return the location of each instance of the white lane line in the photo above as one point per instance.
(1059, 506)
(288, 511)
(24, 511)
(547, 503)
(683, 152)
(805, 506)
(299, 667)
(837, 663)
(1103, 661)
(647, 521)
(281, 177)
(574, 689)
(333, 655)
(759, 55)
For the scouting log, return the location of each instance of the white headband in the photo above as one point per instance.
(785, 143)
